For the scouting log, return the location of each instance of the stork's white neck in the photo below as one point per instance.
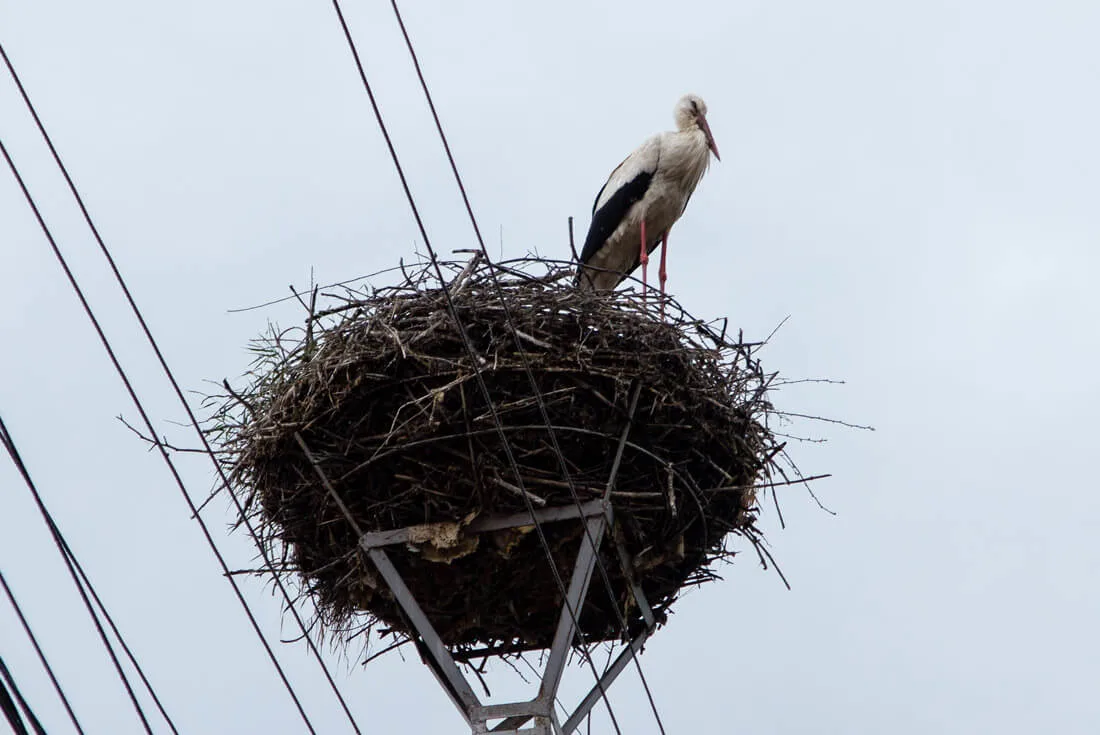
(685, 156)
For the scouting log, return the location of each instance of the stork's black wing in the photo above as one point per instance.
(607, 218)
(625, 187)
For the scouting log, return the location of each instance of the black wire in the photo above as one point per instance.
(9, 696)
(521, 350)
(111, 623)
(152, 432)
(41, 654)
(75, 566)
(182, 399)
(11, 712)
(469, 349)
(9, 445)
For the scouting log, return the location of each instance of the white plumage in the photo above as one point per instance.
(643, 198)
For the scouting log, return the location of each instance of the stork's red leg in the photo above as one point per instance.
(644, 258)
(663, 274)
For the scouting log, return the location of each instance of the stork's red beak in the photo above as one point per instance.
(710, 138)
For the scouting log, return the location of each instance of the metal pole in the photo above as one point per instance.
(570, 615)
(454, 682)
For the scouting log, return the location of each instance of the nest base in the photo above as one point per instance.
(596, 517)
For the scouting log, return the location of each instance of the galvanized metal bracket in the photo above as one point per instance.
(539, 712)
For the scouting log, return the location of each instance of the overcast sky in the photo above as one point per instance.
(915, 184)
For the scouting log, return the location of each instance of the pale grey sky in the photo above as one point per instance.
(915, 184)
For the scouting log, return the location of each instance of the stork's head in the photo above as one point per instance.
(691, 113)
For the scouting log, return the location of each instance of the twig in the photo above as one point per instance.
(517, 491)
(460, 281)
(828, 421)
(384, 651)
(572, 245)
(537, 342)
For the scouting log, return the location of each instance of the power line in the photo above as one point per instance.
(182, 399)
(519, 345)
(76, 569)
(9, 697)
(152, 432)
(41, 655)
(17, 460)
(111, 624)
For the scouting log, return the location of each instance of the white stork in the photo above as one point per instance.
(643, 198)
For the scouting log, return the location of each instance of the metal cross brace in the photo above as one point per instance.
(597, 515)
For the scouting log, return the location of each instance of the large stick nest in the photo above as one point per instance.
(381, 388)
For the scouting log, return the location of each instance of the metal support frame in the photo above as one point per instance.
(597, 516)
